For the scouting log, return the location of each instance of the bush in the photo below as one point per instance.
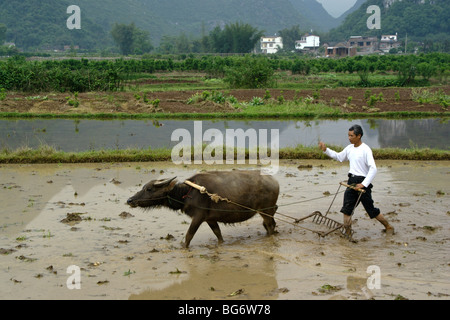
(426, 70)
(63, 76)
(250, 73)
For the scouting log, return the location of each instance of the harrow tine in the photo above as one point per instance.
(318, 218)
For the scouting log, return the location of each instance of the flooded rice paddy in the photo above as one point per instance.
(82, 135)
(57, 216)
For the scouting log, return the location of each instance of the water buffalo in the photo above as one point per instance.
(247, 188)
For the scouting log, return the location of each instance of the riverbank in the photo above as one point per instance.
(47, 154)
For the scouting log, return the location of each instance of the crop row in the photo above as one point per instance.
(80, 75)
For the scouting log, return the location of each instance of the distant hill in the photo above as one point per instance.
(194, 17)
(42, 24)
(34, 24)
(355, 7)
(316, 13)
(420, 19)
(191, 16)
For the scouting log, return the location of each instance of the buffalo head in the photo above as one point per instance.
(153, 194)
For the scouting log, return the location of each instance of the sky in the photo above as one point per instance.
(337, 7)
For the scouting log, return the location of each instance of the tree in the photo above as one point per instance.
(289, 37)
(123, 36)
(131, 39)
(234, 38)
(141, 41)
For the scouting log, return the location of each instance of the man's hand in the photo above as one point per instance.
(359, 186)
(322, 146)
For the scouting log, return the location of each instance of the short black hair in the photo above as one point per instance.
(356, 129)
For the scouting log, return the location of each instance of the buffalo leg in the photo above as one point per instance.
(215, 228)
(195, 224)
(269, 223)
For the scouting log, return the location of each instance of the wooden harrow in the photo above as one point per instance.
(331, 225)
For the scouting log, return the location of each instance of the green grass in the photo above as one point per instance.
(198, 82)
(274, 112)
(292, 109)
(283, 80)
(47, 154)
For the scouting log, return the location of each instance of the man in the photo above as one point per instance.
(361, 173)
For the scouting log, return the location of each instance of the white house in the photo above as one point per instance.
(389, 42)
(271, 44)
(308, 42)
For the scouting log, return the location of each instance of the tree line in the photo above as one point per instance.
(236, 38)
(233, 38)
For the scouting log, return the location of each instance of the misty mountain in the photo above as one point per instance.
(34, 24)
(355, 7)
(42, 24)
(316, 13)
(197, 17)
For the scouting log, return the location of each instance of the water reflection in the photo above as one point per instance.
(81, 135)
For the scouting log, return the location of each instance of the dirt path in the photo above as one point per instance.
(126, 253)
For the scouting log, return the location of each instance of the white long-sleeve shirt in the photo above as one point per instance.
(361, 160)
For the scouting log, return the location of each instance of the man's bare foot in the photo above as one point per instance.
(389, 230)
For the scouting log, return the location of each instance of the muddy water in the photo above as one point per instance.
(138, 255)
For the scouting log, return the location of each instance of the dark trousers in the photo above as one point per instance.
(351, 196)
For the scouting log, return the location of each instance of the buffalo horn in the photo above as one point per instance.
(164, 182)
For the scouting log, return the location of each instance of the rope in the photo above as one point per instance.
(216, 198)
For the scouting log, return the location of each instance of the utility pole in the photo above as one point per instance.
(406, 43)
